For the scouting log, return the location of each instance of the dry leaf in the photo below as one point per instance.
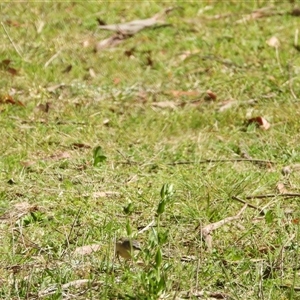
(132, 27)
(296, 12)
(86, 250)
(259, 13)
(9, 99)
(92, 73)
(183, 56)
(295, 167)
(106, 122)
(12, 23)
(19, 210)
(273, 42)
(27, 164)
(195, 294)
(67, 69)
(86, 43)
(105, 194)
(261, 122)
(130, 52)
(194, 103)
(227, 104)
(287, 170)
(210, 95)
(101, 22)
(58, 156)
(12, 71)
(11, 181)
(206, 231)
(116, 80)
(165, 104)
(176, 93)
(220, 16)
(230, 103)
(111, 42)
(281, 188)
(80, 146)
(53, 88)
(44, 107)
(4, 65)
(126, 30)
(77, 283)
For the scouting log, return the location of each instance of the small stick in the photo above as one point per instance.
(260, 284)
(221, 160)
(278, 59)
(197, 273)
(51, 59)
(205, 161)
(206, 230)
(296, 38)
(261, 212)
(73, 225)
(201, 294)
(273, 195)
(10, 39)
(147, 227)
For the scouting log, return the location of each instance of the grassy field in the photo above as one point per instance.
(161, 138)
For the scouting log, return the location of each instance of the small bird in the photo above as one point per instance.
(126, 246)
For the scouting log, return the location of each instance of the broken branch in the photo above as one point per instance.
(261, 212)
(273, 195)
(207, 230)
(222, 160)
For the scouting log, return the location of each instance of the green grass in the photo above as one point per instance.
(49, 194)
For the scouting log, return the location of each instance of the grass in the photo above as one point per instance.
(50, 200)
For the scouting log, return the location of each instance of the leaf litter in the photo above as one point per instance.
(7, 99)
(18, 211)
(260, 122)
(127, 30)
(206, 231)
(87, 250)
(259, 13)
(273, 42)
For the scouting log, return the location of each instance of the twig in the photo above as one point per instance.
(127, 159)
(197, 273)
(51, 59)
(260, 284)
(200, 294)
(218, 17)
(261, 212)
(259, 13)
(10, 39)
(273, 195)
(147, 227)
(280, 259)
(205, 161)
(206, 231)
(278, 60)
(221, 160)
(73, 225)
